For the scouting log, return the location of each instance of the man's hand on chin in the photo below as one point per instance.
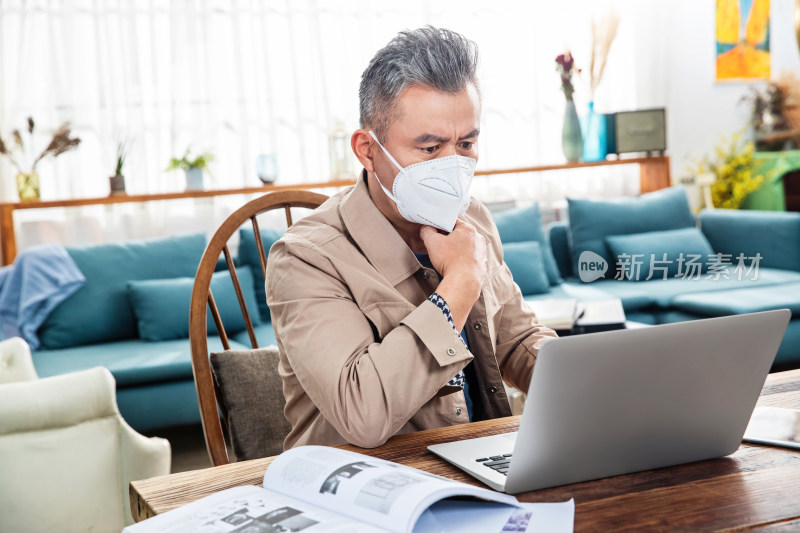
(460, 257)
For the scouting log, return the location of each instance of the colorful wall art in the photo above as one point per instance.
(743, 40)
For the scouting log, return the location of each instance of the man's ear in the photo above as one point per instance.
(361, 142)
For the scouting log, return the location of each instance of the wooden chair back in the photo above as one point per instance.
(202, 298)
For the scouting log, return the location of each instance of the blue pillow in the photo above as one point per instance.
(591, 221)
(636, 254)
(526, 263)
(248, 256)
(100, 310)
(525, 224)
(161, 306)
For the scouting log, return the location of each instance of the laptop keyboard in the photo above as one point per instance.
(498, 463)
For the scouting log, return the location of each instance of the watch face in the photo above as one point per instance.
(640, 131)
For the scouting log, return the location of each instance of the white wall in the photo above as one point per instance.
(699, 111)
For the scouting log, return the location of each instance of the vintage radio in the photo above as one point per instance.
(636, 131)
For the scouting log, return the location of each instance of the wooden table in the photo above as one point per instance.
(755, 489)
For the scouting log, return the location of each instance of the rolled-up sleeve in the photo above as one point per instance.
(367, 388)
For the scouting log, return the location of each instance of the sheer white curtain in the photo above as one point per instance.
(243, 77)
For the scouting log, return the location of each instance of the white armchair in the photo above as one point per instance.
(66, 454)
(15, 361)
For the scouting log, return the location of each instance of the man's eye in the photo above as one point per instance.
(430, 149)
(467, 145)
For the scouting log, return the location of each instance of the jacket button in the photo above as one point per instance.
(478, 325)
(451, 352)
(458, 410)
(425, 274)
(492, 389)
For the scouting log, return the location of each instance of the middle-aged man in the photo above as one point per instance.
(391, 304)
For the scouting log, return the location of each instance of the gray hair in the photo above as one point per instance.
(432, 57)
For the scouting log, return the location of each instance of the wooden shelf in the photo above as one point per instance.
(653, 173)
(138, 198)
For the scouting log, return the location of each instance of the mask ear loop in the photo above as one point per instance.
(385, 151)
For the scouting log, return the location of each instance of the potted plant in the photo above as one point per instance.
(28, 180)
(117, 181)
(732, 166)
(193, 167)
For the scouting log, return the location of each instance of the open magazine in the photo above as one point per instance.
(316, 489)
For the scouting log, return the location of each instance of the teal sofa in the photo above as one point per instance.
(132, 317)
(661, 223)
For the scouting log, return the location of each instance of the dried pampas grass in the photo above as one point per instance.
(603, 35)
(60, 143)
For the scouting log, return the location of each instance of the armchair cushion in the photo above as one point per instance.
(161, 306)
(251, 392)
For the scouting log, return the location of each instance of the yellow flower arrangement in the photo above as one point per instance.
(733, 166)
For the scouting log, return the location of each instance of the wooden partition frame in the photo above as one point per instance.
(654, 174)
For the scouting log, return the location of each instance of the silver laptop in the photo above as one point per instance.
(624, 401)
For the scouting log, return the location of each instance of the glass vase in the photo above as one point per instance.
(28, 186)
(594, 136)
(571, 138)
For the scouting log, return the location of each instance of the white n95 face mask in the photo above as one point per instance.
(434, 193)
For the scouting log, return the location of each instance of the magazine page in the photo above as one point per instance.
(454, 516)
(249, 509)
(774, 425)
(375, 491)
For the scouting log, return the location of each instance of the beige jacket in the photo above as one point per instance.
(363, 354)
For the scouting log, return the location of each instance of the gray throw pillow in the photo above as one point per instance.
(251, 393)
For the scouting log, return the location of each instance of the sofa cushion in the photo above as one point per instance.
(265, 336)
(100, 311)
(591, 221)
(661, 292)
(526, 263)
(660, 254)
(251, 391)
(248, 256)
(161, 306)
(740, 301)
(559, 242)
(773, 235)
(525, 224)
(132, 362)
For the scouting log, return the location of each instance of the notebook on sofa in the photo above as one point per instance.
(589, 316)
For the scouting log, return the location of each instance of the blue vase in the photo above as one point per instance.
(571, 138)
(594, 136)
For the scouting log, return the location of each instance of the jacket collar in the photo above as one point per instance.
(375, 235)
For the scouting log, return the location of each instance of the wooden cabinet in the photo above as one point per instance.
(653, 175)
